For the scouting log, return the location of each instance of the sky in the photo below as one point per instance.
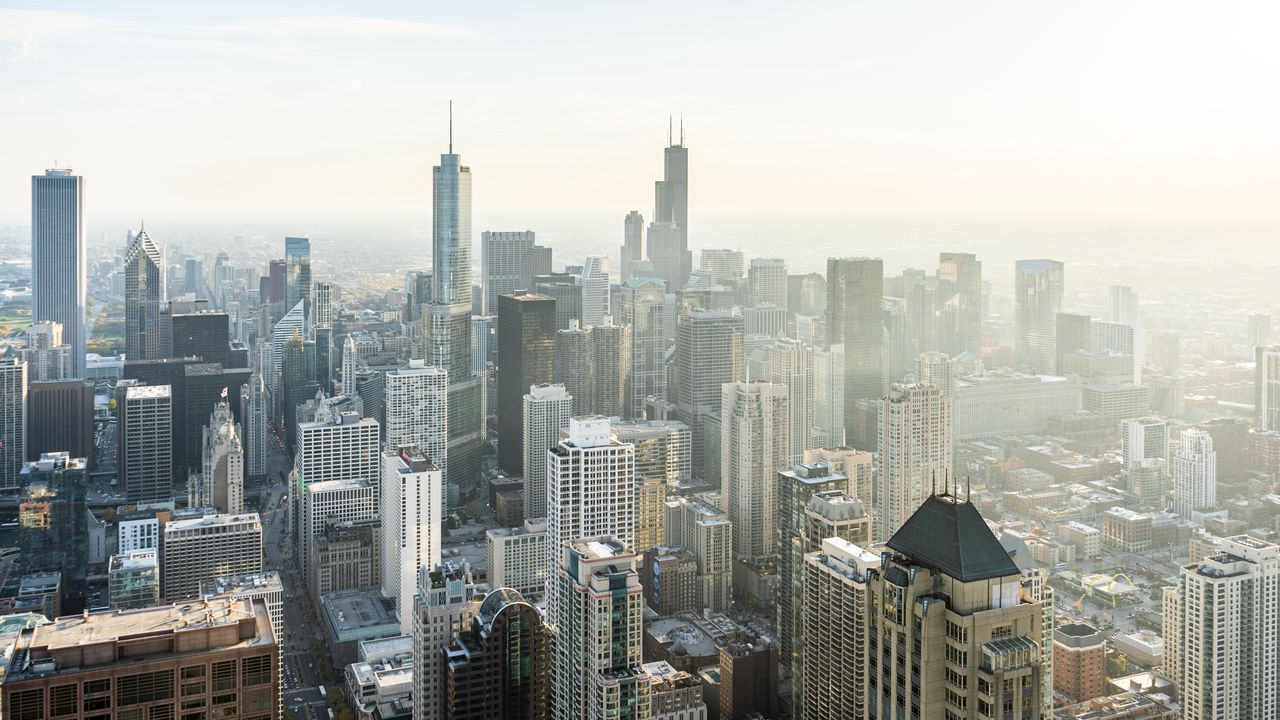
(1159, 110)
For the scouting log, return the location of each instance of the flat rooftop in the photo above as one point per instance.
(349, 610)
(140, 392)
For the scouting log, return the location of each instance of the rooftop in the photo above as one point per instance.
(949, 535)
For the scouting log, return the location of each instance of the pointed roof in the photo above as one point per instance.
(949, 535)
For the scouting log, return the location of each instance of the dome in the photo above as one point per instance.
(495, 601)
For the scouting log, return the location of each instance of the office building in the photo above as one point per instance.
(1219, 632)
(321, 305)
(668, 243)
(915, 451)
(574, 365)
(597, 618)
(724, 264)
(1038, 291)
(526, 356)
(1123, 306)
(673, 694)
(199, 548)
(854, 290)
(499, 667)
(48, 358)
(1266, 388)
(650, 312)
(562, 287)
(502, 263)
(118, 663)
(145, 461)
(220, 483)
(595, 290)
(144, 298)
(255, 404)
(662, 448)
(444, 606)
(297, 287)
(767, 282)
(517, 557)
(59, 418)
(1071, 334)
(416, 407)
(263, 586)
(791, 364)
(755, 443)
(704, 530)
(412, 497)
(960, 302)
(1143, 438)
(632, 252)
(13, 420)
(58, 260)
(133, 580)
(345, 556)
(832, 666)
(1079, 661)
(708, 354)
(1195, 473)
(1011, 403)
(340, 446)
(610, 362)
(52, 529)
(351, 500)
(547, 409)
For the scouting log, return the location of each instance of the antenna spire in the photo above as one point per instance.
(668, 129)
(681, 128)
(450, 127)
(933, 482)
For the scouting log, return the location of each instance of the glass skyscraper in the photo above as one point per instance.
(58, 269)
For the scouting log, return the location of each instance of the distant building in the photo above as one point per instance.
(133, 580)
(1079, 661)
(1039, 288)
(197, 549)
(517, 557)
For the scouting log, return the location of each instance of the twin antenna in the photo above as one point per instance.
(968, 486)
(669, 136)
(450, 127)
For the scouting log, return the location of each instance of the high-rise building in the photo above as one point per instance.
(295, 387)
(118, 663)
(293, 323)
(502, 263)
(221, 480)
(828, 396)
(133, 580)
(595, 290)
(343, 446)
(1038, 291)
(597, 618)
(297, 288)
(1071, 333)
(145, 446)
(53, 534)
(948, 587)
(1219, 632)
(444, 606)
(591, 489)
(573, 365)
(1195, 473)
(662, 448)
(725, 265)
(959, 302)
(345, 556)
(412, 496)
(547, 409)
(705, 530)
(416, 407)
(1267, 388)
(564, 289)
(48, 357)
(330, 502)
(857, 465)
(60, 418)
(1143, 438)
(791, 363)
(832, 672)
(517, 557)
(13, 420)
(58, 262)
(755, 443)
(199, 548)
(767, 281)
(526, 356)
(915, 451)
(1079, 661)
(144, 298)
(321, 304)
(255, 404)
(807, 294)
(650, 312)
(708, 355)
(610, 363)
(668, 242)
(1123, 306)
(632, 244)
(499, 667)
(854, 290)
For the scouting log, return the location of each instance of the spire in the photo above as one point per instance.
(450, 127)
(668, 129)
(681, 128)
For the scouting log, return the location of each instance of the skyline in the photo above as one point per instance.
(1107, 113)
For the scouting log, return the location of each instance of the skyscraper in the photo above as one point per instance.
(705, 530)
(791, 363)
(632, 244)
(708, 355)
(767, 278)
(412, 498)
(416, 407)
(1195, 473)
(196, 549)
(960, 302)
(1267, 388)
(58, 261)
(668, 261)
(297, 288)
(526, 356)
(502, 264)
(595, 290)
(610, 360)
(222, 463)
(53, 535)
(254, 403)
(444, 606)
(724, 264)
(651, 313)
(1038, 292)
(668, 246)
(915, 451)
(854, 289)
(145, 421)
(13, 420)
(832, 675)
(1143, 438)
(755, 444)
(598, 619)
(48, 357)
(547, 409)
(144, 298)
(499, 667)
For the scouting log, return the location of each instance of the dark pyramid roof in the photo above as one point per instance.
(949, 536)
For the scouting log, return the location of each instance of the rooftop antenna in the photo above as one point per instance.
(681, 128)
(668, 129)
(933, 482)
(450, 127)
(968, 488)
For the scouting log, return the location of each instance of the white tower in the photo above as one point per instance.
(417, 410)
(412, 497)
(547, 409)
(1195, 473)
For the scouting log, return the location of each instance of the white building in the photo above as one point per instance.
(1195, 473)
(255, 405)
(831, 668)
(517, 557)
(59, 277)
(196, 549)
(547, 409)
(145, 468)
(755, 443)
(412, 499)
(343, 446)
(443, 607)
(13, 420)
(828, 396)
(1143, 438)
(704, 530)
(1267, 388)
(791, 364)
(221, 481)
(349, 500)
(1038, 289)
(857, 465)
(767, 279)
(47, 356)
(915, 451)
(595, 290)
(265, 585)
(417, 410)
(1222, 632)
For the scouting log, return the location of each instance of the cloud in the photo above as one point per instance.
(26, 49)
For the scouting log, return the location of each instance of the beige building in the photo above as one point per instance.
(915, 451)
(830, 675)
(754, 445)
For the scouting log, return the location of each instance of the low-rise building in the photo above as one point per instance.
(1126, 530)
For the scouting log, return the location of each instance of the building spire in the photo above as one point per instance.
(681, 128)
(450, 127)
(668, 129)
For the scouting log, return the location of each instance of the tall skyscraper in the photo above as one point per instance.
(708, 355)
(610, 360)
(332, 502)
(53, 535)
(755, 444)
(344, 446)
(831, 675)
(854, 290)
(791, 363)
(632, 244)
(145, 446)
(651, 313)
(915, 451)
(705, 530)
(412, 497)
(668, 246)
(255, 404)
(321, 304)
(960, 303)
(1123, 306)
(1220, 632)
(668, 261)
(1266, 388)
(767, 279)
(595, 290)
(144, 298)
(1195, 473)
(598, 619)
(416, 407)
(547, 409)
(13, 420)
(724, 264)
(502, 264)
(444, 607)
(499, 668)
(221, 480)
(297, 288)
(58, 261)
(1038, 290)
(526, 356)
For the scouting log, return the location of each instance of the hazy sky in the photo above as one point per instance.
(1155, 110)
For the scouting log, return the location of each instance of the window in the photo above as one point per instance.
(224, 675)
(26, 705)
(255, 671)
(144, 687)
(64, 699)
